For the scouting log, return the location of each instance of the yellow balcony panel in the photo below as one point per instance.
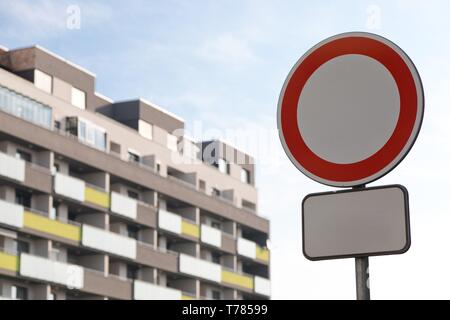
(262, 254)
(97, 197)
(190, 229)
(187, 297)
(236, 279)
(9, 262)
(54, 227)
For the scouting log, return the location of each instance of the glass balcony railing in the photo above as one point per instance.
(25, 108)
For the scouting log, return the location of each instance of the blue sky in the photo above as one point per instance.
(222, 64)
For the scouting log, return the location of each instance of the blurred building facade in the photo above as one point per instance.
(110, 200)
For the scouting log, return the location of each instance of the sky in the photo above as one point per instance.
(220, 65)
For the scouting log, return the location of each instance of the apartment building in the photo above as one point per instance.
(110, 200)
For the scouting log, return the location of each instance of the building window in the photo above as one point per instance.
(78, 98)
(145, 129)
(216, 192)
(202, 185)
(132, 232)
(245, 176)
(23, 198)
(216, 295)
(215, 257)
(132, 272)
(222, 165)
(18, 292)
(132, 194)
(57, 125)
(43, 81)
(216, 225)
(87, 132)
(26, 156)
(133, 157)
(172, 142)
(22, 246)
(25, 108)
(114, 147)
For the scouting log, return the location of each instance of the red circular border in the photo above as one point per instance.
(402, 132)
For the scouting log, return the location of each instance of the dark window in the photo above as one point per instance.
(132, 272)
(215, 257)
(114, 147)
(23, 198)
(133, 157)
(57, 125)
(216, 225)
(202, 185)
(22, 246)
(216, 192)
(21, 292)
(72, 125)
(216, 295)
(132, 232)
(133, 195)
(26, 156)
(158, 167)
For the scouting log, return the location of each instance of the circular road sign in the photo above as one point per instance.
(350, 109)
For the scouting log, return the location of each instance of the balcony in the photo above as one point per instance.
(217, 238)
(236, 279)
(44, 269)
(211, 236)
(107, 241)
(12, 168)
(200, 268)
(69, 187)
(262, 286)
(38, 221)
(123, 205)
(157, 258)
(143, 175)
(149, 291)
(176, 224)
(11, 214)
(252, 250)
(98, 283)
(96, 195)
(38, 177)
(8, 262)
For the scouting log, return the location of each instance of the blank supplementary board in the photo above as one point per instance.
(358, 222)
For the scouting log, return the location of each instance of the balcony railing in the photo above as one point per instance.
(140, 164)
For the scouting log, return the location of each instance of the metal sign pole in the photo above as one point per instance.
(362, 272)
(362, 278)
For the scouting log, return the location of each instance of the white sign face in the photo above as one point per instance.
(350, 109)
(365, 222)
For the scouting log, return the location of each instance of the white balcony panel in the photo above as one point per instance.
(246, 248)
(150, 291)
(262, 286)
(200, 268)
(169, 221)
(123, 205)
(211, 236)
(44, 269)
(107, 241)
(11, 214)
(12, 168)
(69, 187)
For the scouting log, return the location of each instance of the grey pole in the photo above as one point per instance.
(362, 278)
(362, 272)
